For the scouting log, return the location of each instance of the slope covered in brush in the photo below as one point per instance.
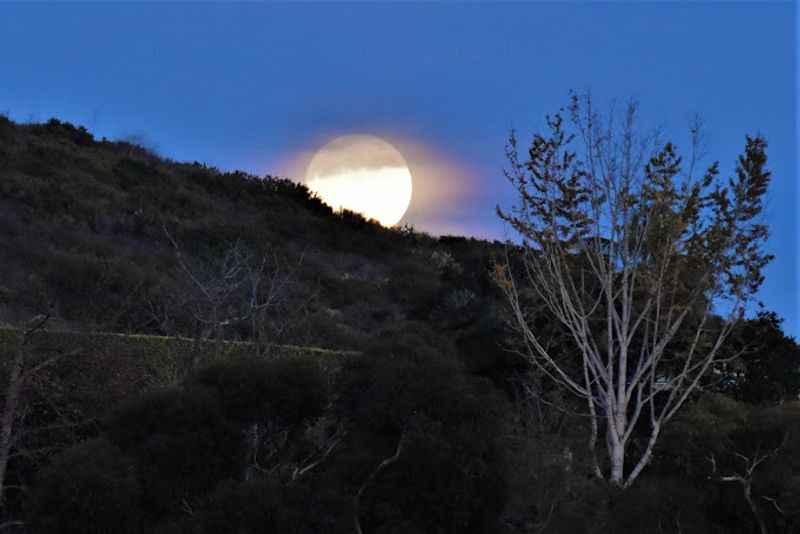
(83, 232)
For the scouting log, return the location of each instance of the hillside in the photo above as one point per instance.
(189, 351)
(106, 236)
(82, 233)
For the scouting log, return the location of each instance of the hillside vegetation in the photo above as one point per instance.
(192, 351)
(82, 231)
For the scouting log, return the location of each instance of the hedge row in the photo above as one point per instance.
(110, 366)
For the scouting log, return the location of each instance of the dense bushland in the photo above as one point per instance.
(405, 439)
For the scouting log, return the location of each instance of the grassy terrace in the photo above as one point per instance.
(128, 363)
(140, 343)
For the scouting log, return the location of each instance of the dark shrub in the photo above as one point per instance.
(439, 484)
(78, 135)
(407, 373)
(182, 443)
(768, 368)
(718, 443)
(411, 387)
(659, 505)
(414, 283)
(89, 489)
(482, 350)
(288, 390)
(267, 507)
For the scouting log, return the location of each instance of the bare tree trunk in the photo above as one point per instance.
(746, 487)
(371, 478)
(646, 457)
(617, 458)
(10, 411)
(252, 436)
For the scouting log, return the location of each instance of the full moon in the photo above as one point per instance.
(362, 173)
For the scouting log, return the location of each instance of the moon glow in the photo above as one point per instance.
(364, 174)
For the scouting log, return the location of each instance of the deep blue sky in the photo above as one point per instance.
(256, 87)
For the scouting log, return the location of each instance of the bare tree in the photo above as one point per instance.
(241, 288)
(279, 303)
(373, 475)
(237, 288)
(628, 249)
(22, 368)
(271, 451)
(744, 477)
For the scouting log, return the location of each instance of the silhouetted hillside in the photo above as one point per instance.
(82, 231)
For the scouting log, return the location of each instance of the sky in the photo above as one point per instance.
(260, 87)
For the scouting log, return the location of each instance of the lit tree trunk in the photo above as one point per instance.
(617, 458)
